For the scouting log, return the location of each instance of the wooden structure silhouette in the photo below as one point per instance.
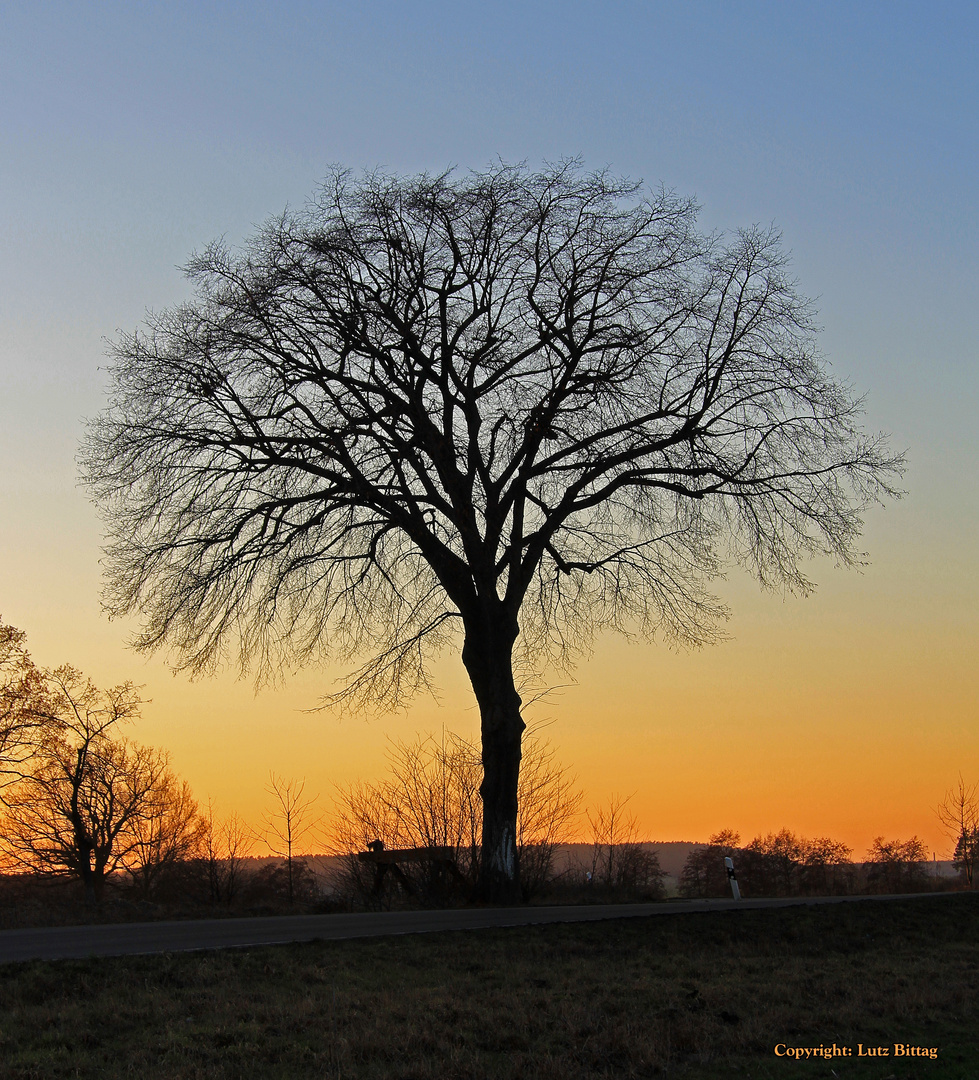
(440, 859)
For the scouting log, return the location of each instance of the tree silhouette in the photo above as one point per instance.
(959, 814)
(74, 808)
(895, 866)
(167, 832)
(515, 405)
(704, 873)
(24, 718)
(224, 848)
(287, 822)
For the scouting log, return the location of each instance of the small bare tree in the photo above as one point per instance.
(79, 799)
(224, 848)
(167, 832)
(959, 814)
(287, 822)
(619, 861)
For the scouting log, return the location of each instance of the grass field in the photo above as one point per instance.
(690, 996)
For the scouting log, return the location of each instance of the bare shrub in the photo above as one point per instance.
(431, 799)
(279, 883)
(620, 865)
(224, 848)
(166, 834)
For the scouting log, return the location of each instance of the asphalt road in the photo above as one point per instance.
(132, 939)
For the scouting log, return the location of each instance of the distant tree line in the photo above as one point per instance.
(783, 864)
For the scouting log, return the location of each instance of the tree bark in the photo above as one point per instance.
(488, 658)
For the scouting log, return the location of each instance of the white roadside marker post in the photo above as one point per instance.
(732, 877)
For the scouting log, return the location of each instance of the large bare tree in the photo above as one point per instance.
(514, 405)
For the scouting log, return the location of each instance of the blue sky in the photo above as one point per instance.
(132, 134)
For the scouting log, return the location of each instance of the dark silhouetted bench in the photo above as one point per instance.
(439, 858)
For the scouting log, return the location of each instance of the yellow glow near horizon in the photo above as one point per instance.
(847, 714)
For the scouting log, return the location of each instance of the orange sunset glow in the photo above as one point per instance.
(847, 713)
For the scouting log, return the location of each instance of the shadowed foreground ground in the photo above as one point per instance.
(692, 996)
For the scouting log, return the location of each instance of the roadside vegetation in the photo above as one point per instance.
(693, 996)
(783, 864)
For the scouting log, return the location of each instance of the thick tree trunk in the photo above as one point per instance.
(88, 868)
(488, 657)
(93, 882)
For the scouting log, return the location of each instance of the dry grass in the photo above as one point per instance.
(691, 996)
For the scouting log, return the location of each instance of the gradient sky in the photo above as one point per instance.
(132, 134)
